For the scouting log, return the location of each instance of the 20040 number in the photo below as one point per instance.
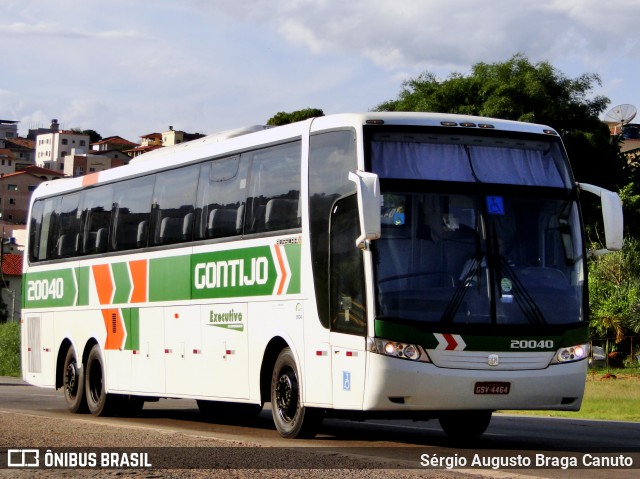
(531, 344)
(44, 289)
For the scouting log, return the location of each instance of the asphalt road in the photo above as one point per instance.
(395, 444)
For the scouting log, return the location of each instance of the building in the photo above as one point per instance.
(15, 192)
(149, 142)
(79, 165)
(112, 143)
(11, 278)
(52, 148)
(7, 161)
(8, 129)
(24, 152)
(174, 137)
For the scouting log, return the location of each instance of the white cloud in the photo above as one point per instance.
(202, 65)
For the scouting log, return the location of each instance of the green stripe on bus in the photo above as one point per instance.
(82, 277)
(479, 342)
(50, 289)
(132, 321)
(293, 257)
(257, 271)
(170, 279)
(122, 282)
(233, 273)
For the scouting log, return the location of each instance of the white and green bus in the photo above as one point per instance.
(358, 265)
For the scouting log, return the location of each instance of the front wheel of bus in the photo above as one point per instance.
(99, 402)
(292, 419)
(73, 383)
(465, 425)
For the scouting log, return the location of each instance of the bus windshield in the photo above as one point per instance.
(479, 259)
(493, 237)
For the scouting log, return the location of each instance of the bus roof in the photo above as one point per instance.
(237, 140)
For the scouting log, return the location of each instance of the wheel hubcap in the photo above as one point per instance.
(71, 376)
(287, 396)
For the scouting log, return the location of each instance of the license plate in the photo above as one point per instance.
(492, 388)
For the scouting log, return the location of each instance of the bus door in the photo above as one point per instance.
(347, 306)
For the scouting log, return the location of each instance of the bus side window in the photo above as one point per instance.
(132, 212)
(67, 227)
(274, 189)
(97, 204)
(173, 200)
(37, 250)
(221, 194)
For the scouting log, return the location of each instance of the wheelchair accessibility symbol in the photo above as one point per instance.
(495, 205)
(346, 380)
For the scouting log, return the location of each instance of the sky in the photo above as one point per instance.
(134, 67)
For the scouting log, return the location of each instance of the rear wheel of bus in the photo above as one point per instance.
(292, 419)
(99, 402)
(73, 383)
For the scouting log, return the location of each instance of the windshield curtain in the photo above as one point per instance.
(470, 163)
(479, 259)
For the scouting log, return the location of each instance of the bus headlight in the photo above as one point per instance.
(397, 349)
(570, 354)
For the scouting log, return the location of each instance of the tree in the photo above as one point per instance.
(94, 136)
(284, 118)
(537, 93)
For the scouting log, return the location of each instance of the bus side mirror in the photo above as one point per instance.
(368, 188)
(611, 215)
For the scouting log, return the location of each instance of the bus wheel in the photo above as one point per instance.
(291, 418)
(99, 402)
(465, 425)
(73, 383)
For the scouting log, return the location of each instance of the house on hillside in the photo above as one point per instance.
(16, 189)
(11, 280)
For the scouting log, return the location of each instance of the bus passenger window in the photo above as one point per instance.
(274, 189)
(67, 227)
(220, 199)
(132, 208)
(96, 204)
(173, 199)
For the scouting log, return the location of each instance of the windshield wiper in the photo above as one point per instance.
(475, 269)
(526, 303)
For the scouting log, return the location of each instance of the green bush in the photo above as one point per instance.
(10, 349)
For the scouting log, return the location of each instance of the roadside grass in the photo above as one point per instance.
(610, 394)
(10, 349)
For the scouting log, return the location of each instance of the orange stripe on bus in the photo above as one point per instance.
(283, 279)
(139, 276)
(90, 179)
(115, 328)
(104, 282)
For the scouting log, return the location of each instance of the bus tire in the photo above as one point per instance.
(465, 425)
(292, 419)
(73, 383)
(99, 402)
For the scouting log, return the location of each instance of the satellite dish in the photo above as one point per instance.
(621, 114)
